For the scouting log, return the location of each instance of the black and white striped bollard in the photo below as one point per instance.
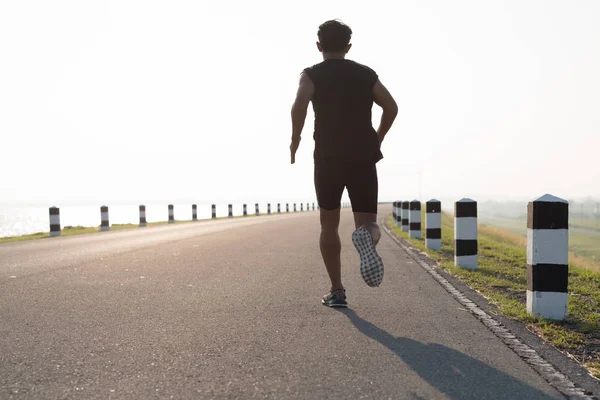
(404, 215)
(465, 233)
(256, 212)
(245, 211)
(301, 206)
(230, 211)
(54, 221)
(171, 214)
(294, 207)
(268, 208)
(278, 208)
(313, 206)
(287, 207)
(214, 211)
(397, 213)
(104, 225)
(414, 219)
(433, 224)
(142, 216)
(548, 257)
(194, 212)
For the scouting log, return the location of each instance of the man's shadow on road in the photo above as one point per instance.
(451, 372)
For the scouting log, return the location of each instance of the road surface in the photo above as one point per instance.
(231, 309)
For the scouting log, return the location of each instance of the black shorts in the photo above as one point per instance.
(359, 178)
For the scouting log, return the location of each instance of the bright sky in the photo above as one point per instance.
(144, 100)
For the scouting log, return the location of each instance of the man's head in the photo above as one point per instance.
(334, 37)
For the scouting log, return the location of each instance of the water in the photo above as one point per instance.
(16, 221)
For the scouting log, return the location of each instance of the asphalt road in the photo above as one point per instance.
(231, 309)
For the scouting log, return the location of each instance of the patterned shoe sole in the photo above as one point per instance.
(371, 265)
(338, 305)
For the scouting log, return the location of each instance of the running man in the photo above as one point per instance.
(347, 149)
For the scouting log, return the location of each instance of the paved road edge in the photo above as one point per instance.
(555, 378)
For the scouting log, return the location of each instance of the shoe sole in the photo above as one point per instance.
(335, 305)
(371, 265)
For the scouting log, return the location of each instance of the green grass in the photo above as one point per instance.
(584, 247)
(80, 230)
(501, 277)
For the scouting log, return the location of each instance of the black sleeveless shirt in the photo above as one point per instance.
(342, 103)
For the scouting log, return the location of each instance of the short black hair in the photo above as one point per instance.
(334, 35)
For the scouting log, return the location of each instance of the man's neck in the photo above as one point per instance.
(334, 56)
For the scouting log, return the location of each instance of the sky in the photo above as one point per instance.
(141, 101)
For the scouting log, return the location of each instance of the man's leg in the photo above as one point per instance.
(369, 222)
(363, 187)
(331, 246)
(329, 186)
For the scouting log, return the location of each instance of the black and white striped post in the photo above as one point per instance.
(278, 208)
(404, 215)
(397, 213)
(268, 208)
(214, 211)
(54, 221)
(465, 233)
(313, 206)
(433, 224)
(194, 212)
(294, 207)
(414, 219)
(245, 211)
(230, 211)
(301, 206)
(548, 257)
(287, 207)
(104, 225)
(307, 206)
(171, 214)
(142, 216)
(256, 212)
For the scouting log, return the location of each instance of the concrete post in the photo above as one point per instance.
(465, 233)
(54, 221)
(194, 212)
(433, 224)
(404, 214)
(104, 225)
(171, 214)
(142, 216)
(548, 257)
(414, 219)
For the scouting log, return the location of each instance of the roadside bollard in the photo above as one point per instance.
(194, 212)
(171, 214)
(54, 221)
(230, 211)
(142, 216)
(278, 208)
(414, 219)
(548, 257)
(294, 207)
(268, 208)
(404, 213)
(287, 207)
(256, 209)
(214, 211)
(465, 234)
(104, 225)
(433, 224)
(245, 211)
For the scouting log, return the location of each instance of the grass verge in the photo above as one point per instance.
(501, 277)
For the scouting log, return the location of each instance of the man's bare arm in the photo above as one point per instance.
(384, 99)
(305, 92)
